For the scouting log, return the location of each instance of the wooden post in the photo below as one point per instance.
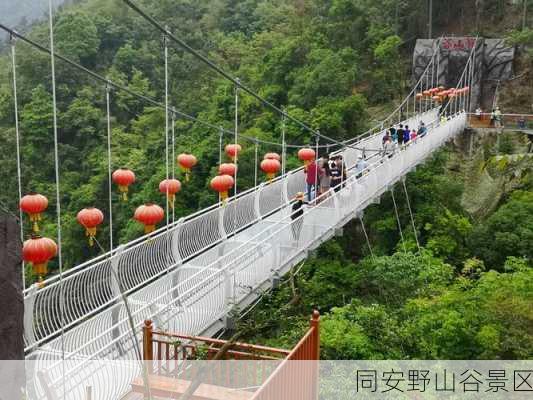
(11, 298)
(148, 352)
(315, 323)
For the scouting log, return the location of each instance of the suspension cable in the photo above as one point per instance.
(398, 219)
(411, 215)
(140, 96)
(17, 140)
(109, 167)
(235, 81)
(255, 164)
(58, 194)
(366, 236)
(167, 200)
(173, 156)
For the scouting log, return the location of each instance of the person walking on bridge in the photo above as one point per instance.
(297, 216)
(312, 177)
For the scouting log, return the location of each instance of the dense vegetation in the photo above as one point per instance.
(335, 64)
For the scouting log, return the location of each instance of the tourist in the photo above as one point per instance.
(422, 130)
(522, 122)
(296, 216)
(498, 118)
(335, 172)
(387, 149)
(400, 134)
(361, 166)
(493, 117)
(406, 135)
(325, 177)
(394, 136)
(312, 174)
(413, 135)
(392, 132)
(479, 113)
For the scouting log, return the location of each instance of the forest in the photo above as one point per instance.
(464, 291)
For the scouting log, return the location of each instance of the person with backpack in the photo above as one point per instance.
(400, 135)
(336, 174)
(312, 175)
(296, 216)
(325, 177)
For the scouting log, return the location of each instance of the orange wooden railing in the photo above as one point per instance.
(296, 378)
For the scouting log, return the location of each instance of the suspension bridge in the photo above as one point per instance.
(192, 274)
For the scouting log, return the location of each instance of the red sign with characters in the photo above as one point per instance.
(459, 43)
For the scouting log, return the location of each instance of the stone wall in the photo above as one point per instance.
(493, 63)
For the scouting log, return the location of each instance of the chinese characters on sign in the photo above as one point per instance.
(445, 380)
(458, 43)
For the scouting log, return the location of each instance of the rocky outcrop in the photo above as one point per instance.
(493, 61)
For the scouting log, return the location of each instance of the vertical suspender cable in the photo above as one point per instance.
(236, 134)
(411, 215)
(317, 140)
(173, 155)
(366, 236)
(283, 148)
(236, 154)
(255, 168)
(58, 199)
(166, 128)
(17, 138)
(398, 219)
(220, 138)
(109, 166)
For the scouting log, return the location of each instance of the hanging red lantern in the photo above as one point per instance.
(34, 204)
(222, 184)
(186, 163)
(233, 150)
(149, 215)
(38, 251)
(272, 156)
(419, 96)
(271, 167)
(123, 177)
(441, 88)
(170, 186)
(307, 156)
(227, 169)
(466, 89)
(426, 93)
(90, 218)
(436, 98)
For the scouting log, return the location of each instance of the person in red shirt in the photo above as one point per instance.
(313, 172)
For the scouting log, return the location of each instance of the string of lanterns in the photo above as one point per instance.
(439, 94)
(38, 250)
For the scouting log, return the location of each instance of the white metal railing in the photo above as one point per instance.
(191, 298)
(90, 289)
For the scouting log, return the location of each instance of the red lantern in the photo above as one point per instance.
(34, 204)
(426, 93)
(187, 162)
(123, 177)
(227, 169)
(466, 89)
(436, 98)
(272, 156)
(149, 215)
(233, 150)
(441, 88)
(90, 218)
(38, 251)
(270, 167)
(306, 155)
(222, 184)
(419, 96)
(170, 187)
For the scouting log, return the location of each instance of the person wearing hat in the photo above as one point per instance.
(296, 216)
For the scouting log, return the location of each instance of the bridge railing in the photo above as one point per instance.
(91, 288)
(192, 304)
(507, 121)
